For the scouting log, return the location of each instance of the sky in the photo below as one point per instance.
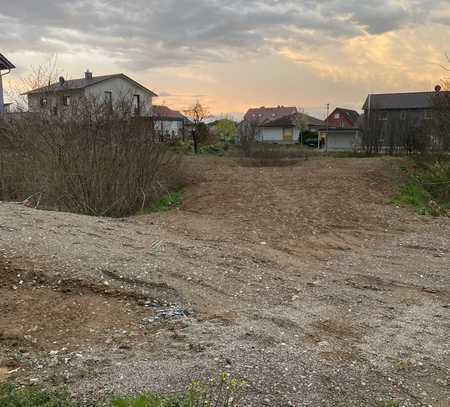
(235, 54)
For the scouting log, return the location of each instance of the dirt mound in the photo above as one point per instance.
(303, 279)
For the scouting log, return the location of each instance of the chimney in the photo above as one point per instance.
(88, 74)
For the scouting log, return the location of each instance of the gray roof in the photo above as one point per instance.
(75, 84)
(4, 63)
(412, 100)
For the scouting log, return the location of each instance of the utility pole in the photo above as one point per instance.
(326, 136)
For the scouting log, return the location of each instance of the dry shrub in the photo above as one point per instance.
(272, 155)
(94, 161)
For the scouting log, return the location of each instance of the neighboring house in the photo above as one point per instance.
(263, 114)
(386, 107)
(390, 119)
(169, 123)
(5, 65)
(342, 132)
(284, 130)
(343, 118)
(341, 139)
(117, 91)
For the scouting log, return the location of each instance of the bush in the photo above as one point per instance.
(213, 149)
(93, 162)
(181, 147)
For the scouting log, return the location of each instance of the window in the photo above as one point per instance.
(108, 98)
(136, 104)
(402, 115)
(427, 114)
(337, 116)
(66, 100)
(55, 110)
(382, 116)
(43, 101)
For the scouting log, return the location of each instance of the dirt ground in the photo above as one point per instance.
(305, 280)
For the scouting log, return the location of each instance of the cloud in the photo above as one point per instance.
(153, 33)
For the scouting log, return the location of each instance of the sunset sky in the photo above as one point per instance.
(235, 54)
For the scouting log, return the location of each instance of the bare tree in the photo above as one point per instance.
(197, 113)
(39, 76)
(300, 123)
(441, 118)
(248, 131)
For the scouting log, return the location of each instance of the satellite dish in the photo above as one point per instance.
(437, 88)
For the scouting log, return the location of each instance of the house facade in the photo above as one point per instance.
(395, 120)
(285, 130)
(6, 66)
(342, 130)
(117, 91)
(169, 124)
(341, 118)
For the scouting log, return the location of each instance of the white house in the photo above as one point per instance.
(285, 131)
(169, 124)
(5, 65)
(116, 90)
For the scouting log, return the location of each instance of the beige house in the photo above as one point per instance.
(117, 91)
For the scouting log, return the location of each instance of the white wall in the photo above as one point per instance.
(341, 140)
(168, 126)
(275, 134)
(121, 89)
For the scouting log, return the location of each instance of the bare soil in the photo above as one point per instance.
(303, 279)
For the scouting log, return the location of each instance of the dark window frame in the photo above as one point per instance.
(136, 104)
(108, 97)
(66, 100)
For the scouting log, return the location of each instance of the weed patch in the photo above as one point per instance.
(428, 187)
(166, 203)
(11, 396)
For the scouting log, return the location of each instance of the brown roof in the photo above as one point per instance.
(74, 84)
(288, 121)
(165, 113)
(265, 114)
(4, 63)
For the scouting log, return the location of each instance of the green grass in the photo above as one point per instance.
(223, 391)
(166, 203)
(12, 396)
(153, 400)
(416, 195)
(428, 187)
